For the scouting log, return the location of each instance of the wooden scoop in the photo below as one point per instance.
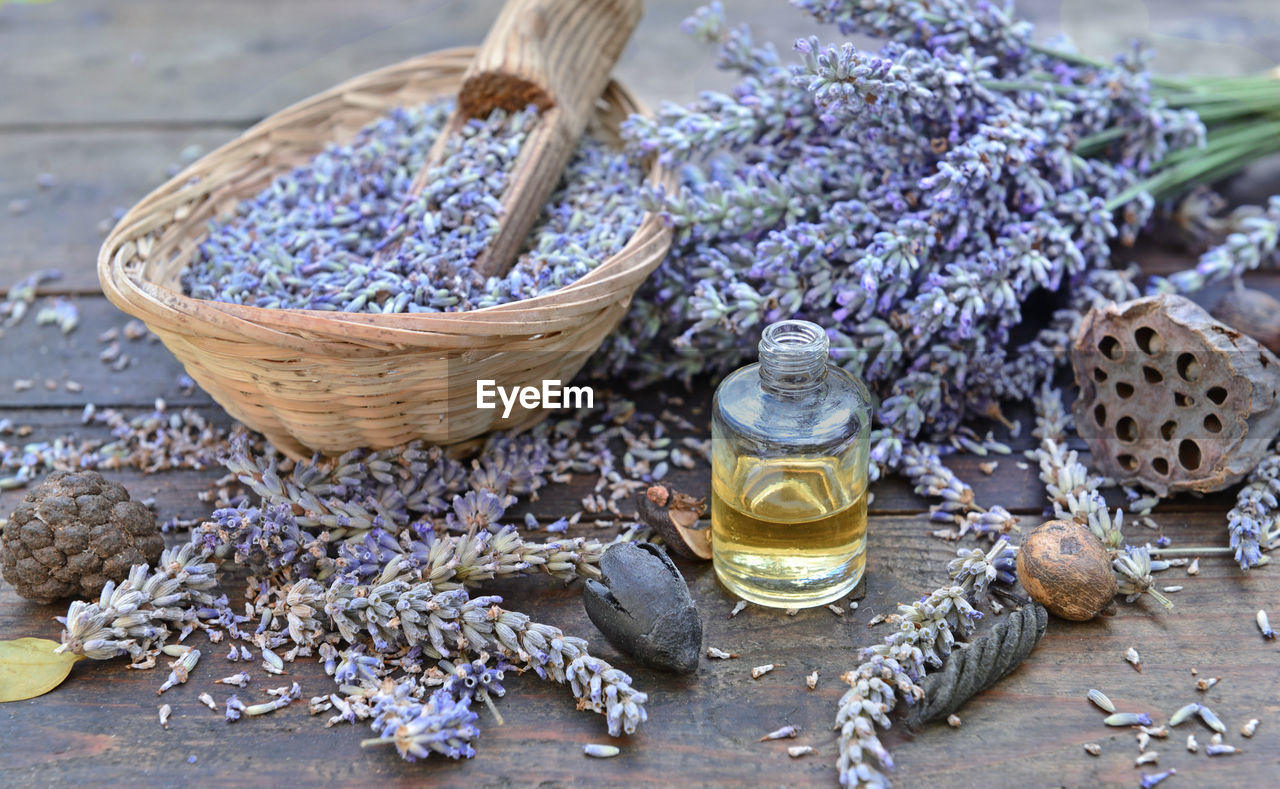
(555, 55)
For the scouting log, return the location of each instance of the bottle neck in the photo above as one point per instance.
(793, 356)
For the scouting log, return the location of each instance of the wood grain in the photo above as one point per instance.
(106, 94)
(92, 62)
(703, 730)
(97, 174)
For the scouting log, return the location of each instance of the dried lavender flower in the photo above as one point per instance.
(134, 613)
(441, 725)
(928, 630)
(778, 734)
(181, 670)
(1210, 719)
(1251, 522)
(283, 697)
(1100, 699)
(334, 233)
(760, 671)
(1264, 624)
(1128, 719)
(1183, 713)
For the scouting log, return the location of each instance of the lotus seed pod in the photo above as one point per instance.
(1171, 398)
(1251, 312)
(1064, 567)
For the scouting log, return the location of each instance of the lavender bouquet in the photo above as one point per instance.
(914, 199)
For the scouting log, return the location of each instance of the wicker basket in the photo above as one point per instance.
(313, 380)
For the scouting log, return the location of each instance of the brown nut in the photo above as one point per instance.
(1064, 567)
(1251, 312)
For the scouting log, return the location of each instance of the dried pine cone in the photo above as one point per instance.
(72, 534)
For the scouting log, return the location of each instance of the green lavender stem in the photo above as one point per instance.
(1223, 155)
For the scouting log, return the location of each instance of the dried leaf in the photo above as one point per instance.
(29, 667)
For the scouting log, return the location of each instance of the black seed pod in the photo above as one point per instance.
(643, 607)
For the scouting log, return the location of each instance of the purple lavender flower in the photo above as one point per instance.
(477, 510)
(442, 725)
(321, 236)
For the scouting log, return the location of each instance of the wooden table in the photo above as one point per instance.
(105, 95)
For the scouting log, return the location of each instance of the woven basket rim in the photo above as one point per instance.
(553, 310)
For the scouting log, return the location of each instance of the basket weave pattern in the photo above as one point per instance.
(331, 381)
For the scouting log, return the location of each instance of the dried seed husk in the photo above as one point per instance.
(642, 605)
(674, 515)
(1252, 312)
(1064, 567)
(1169, 365)
(30, 667)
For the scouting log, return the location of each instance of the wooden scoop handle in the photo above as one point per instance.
(553, 54)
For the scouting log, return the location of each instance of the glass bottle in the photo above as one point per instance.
(789, 442)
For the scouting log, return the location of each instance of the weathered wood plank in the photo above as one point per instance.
(96, 62)
(40, 354)
(703, 729)
(97, 172)
(74, 65)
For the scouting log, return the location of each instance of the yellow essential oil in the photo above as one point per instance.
(789, 474)
(790, 532)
